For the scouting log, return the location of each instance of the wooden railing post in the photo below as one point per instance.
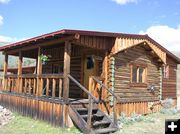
(19, 82)
(89, 118)
(39, 72)
(67, 56)
(5, 71)
(114, 111)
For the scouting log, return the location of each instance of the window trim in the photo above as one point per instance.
(144, 77)
(166, 70)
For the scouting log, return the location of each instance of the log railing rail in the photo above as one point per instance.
(112, 93)
(91, 98)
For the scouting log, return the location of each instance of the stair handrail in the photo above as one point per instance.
(114, 98)
(91, 100)
(83, 88)
(108, 89)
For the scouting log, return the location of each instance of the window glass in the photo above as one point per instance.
(141, 70)
(134, 75)
(90, 62)
(138, 74)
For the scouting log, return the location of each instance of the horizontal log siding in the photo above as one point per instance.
(123, 88)
(42, 109)
(75, 71)
(169, 84)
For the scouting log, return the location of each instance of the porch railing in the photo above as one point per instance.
(49, 85)
(98, 89)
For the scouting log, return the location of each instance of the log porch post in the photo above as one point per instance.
(105, 72)
(20, 60)
(5, 71)
(39, 72)
(67, 56)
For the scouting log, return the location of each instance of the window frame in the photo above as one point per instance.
(166, 73)
(144, 75)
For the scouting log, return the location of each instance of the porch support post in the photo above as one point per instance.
(39, 72)
(20, 72)
(67, 55)
(105, 73)
(5, 71)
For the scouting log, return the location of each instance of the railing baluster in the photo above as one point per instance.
(25, 85)
(47, 87)
(54, 88)
(34, 86)
(60, 87)
(30, 86)
(41, 87)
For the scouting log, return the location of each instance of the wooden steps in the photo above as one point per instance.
(101, 123)
(105, 130)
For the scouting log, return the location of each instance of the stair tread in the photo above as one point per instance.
(97, 115)
(78, 109)
(105, 130)
(101, 123)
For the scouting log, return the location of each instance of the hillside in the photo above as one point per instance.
(13, 61)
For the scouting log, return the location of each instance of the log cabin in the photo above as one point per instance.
(87, 76)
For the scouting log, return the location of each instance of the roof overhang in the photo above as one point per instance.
(66, 33)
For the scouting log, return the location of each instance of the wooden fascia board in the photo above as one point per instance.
(134, 45)
(35, 46)
(163, 52)
(124, 49)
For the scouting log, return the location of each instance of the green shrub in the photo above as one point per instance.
(167, 103)
(123, 119)
(169, 111)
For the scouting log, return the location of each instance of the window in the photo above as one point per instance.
(138, 74)
(90, 62)
(166, 71)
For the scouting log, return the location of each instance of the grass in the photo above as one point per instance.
(26, 125)
(156, 127)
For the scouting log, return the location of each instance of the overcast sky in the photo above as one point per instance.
(160, 19)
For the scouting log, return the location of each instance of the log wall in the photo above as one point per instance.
(169, 84)
(127, 91)
(41, 108)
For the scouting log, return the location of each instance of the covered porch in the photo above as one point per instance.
(76, 69)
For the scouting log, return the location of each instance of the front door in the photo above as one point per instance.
(90, 69)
